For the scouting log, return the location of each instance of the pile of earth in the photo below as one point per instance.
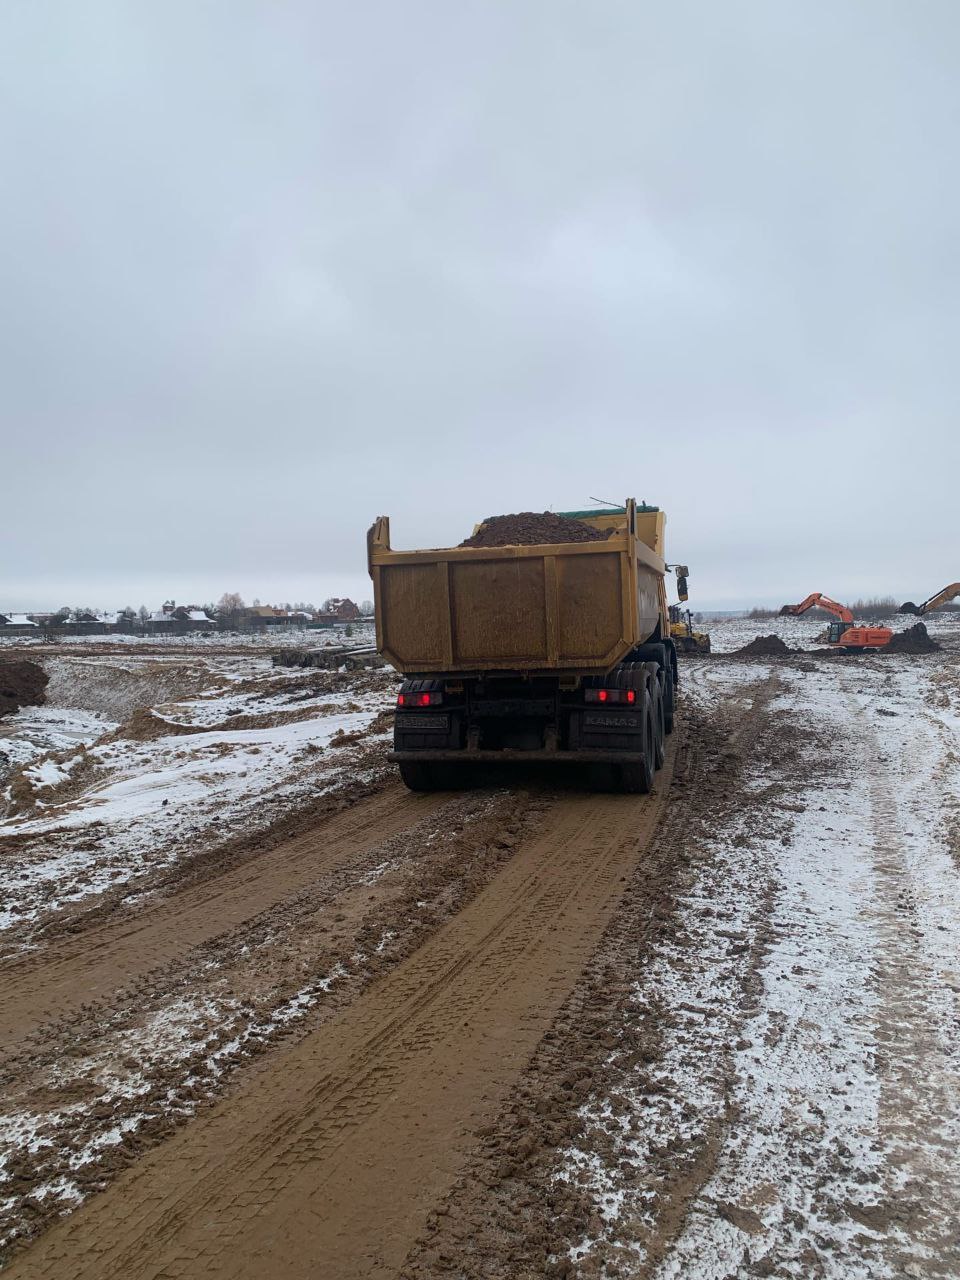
(530, 528)
(765, 647)
(22, 684)
(915, 639)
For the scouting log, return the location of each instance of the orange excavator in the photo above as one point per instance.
(844, 633)
(948, 593)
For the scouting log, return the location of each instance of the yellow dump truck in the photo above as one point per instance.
(558, 652)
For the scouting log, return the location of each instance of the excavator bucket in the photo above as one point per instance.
(909, 607)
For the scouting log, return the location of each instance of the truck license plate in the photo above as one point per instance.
(622, 723)
(418, 721)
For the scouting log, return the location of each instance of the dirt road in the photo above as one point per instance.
(96, 962)
(526, 1030)
(342, 1148)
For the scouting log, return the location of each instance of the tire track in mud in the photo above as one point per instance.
(89, 965)
(89, 1094)
(919, 1084)
(331, 1160)
(512, 1212)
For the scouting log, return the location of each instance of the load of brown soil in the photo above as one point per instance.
(915, 639)
(530, 528)
(22, 684)
(765, 647)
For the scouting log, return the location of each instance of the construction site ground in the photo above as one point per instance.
(266, 1014)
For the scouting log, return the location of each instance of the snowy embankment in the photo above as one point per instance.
(94, 803)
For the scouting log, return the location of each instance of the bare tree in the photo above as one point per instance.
(54, 623)
(229, 609)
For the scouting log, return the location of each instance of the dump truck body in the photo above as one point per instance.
(558, 651)
(566, 608)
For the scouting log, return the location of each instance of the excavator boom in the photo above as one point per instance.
(820, 601)
(948, 593)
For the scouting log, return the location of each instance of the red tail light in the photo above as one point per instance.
(426, 699)
(610, 695)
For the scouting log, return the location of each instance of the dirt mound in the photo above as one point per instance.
(145, 726)
(915, 639)
(766, 647)
(118, 689)
(22, 684)
(530, 528)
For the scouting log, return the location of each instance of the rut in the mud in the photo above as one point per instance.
(293, 940)
(425, 1057)
(520, 1204)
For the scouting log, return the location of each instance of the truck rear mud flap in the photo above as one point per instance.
(465, 756)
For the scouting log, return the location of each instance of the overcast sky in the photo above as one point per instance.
(271, 269)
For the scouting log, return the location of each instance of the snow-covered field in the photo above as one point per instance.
(269, 638)
(809, 994)
(730, 634)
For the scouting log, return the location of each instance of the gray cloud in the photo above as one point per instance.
(271, 269)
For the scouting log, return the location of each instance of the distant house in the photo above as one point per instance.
(192, 617)
(261, 614)
(179, 618)
(81, 623)
(17, 621)
(343, 610)
(265, 615)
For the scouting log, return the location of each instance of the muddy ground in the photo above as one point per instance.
(22, 684)
(267, 1014)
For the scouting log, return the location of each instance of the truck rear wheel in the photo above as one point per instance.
(637, 777)
(656, 672)
(659, 723)
(434, 775)
(419, 775)
(669, 698)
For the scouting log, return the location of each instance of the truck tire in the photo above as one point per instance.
(637, 778)
(665, 656)
(418, 775)
(669, 698)
(434, 775)
(659, 720)
(652, 652)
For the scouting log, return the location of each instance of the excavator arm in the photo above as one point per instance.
(820, 601)
(948, 593)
